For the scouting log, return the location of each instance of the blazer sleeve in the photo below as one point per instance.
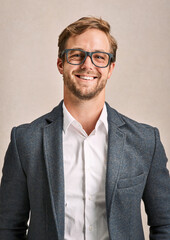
(157, 194)
(14, 201)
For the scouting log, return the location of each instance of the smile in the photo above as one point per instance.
(86, 77)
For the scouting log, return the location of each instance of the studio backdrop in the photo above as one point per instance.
(31, 86)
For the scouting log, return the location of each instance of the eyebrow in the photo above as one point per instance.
(96, 50)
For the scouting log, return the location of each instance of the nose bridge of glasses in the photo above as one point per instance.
(88, 54)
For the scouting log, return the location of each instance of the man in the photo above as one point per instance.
(82, 170)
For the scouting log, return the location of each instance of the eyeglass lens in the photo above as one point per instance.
(77, 57)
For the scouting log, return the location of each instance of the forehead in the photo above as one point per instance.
(90, 40)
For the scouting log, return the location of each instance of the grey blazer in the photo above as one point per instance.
(33, 181)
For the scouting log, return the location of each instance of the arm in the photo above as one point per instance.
(14, 202)
(157, 194)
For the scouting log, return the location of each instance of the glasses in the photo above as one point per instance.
(78, 57)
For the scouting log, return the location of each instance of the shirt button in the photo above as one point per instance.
(90, 198)
(90, 228)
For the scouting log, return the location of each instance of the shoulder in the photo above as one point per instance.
(120, 119)
(34, 128)
(140, 137)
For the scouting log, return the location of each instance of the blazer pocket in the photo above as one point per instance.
(130, 182)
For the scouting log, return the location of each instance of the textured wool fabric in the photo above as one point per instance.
(33, 180)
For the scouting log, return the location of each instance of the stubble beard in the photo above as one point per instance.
(79, 93)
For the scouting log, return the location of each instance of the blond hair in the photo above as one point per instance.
(81, 26)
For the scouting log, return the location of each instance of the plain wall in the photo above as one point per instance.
(30, 84)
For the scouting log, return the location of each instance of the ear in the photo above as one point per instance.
(111, 67)
(60, 65)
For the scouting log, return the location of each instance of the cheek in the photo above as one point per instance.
(70, 69)
(104, 73)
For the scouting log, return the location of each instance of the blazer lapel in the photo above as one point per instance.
(115, 150)
(53, 152)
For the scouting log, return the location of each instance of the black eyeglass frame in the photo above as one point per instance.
(111, 56)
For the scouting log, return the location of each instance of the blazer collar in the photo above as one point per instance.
(56, 113)
(114, 117)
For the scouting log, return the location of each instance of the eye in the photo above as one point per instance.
(76, 55)
(99, 57)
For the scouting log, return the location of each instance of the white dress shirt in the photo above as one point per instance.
(85, 173)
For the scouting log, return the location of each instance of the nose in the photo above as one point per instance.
(87, 63)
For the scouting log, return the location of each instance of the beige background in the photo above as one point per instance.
(30, 84)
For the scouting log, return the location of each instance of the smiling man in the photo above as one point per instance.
(81, 171)
(86, 63)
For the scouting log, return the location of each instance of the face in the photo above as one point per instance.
(86, 81)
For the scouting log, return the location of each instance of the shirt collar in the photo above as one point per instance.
(69, 119)
(103, 118)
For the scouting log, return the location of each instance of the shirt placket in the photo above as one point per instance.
(89, 226)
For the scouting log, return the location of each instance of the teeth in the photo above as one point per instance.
(86, 78)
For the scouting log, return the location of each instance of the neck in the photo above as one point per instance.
(86, 112)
